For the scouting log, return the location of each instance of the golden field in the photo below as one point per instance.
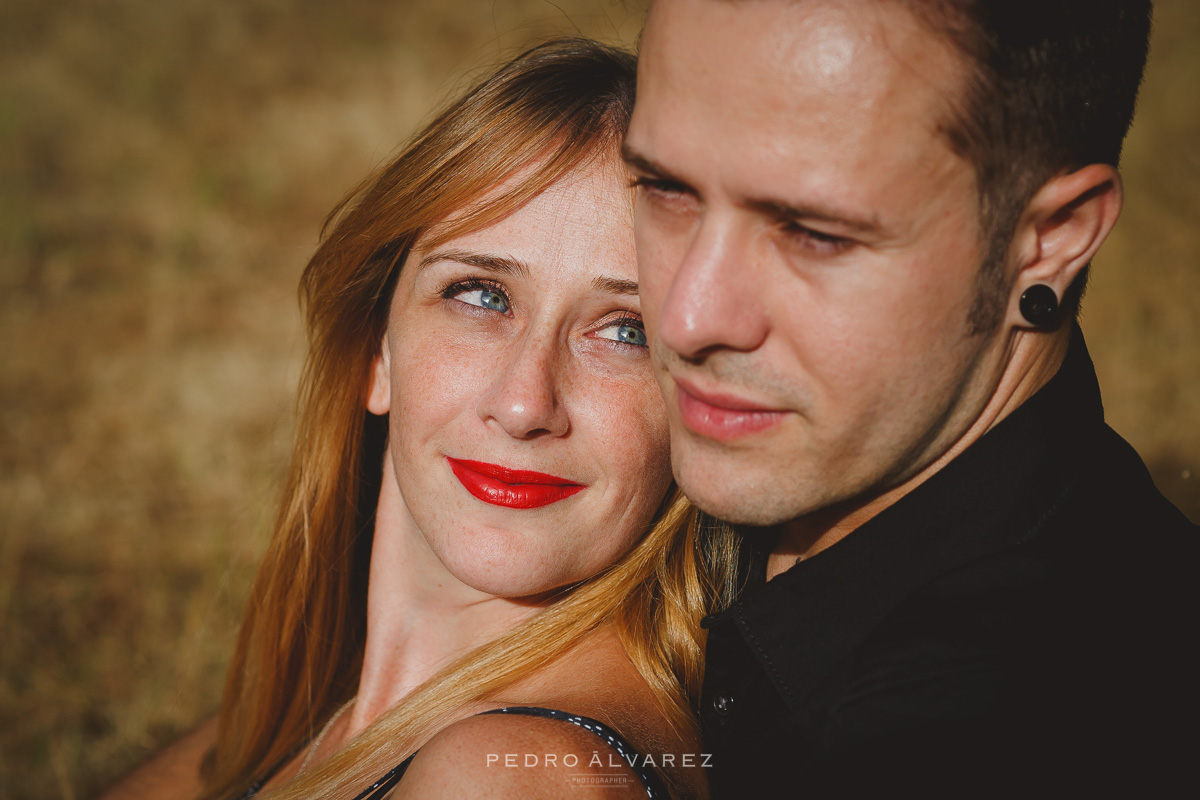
(164, 171)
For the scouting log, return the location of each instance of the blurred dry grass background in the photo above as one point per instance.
(164, 169)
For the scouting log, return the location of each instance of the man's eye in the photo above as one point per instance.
(660, 186)
(820, 243)
(626, 331)
(480, 295)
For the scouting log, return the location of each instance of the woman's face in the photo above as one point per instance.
(527, 433)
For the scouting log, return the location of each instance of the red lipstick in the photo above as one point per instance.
(721, 416)
(511, 488)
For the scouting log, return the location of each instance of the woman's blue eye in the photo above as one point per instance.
(484, 297)
(627, 332)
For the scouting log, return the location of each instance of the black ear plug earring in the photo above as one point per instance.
(1039, 305)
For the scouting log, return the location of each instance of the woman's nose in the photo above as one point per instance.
(525, 397)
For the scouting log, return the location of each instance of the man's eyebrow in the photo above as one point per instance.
(493, 263)
(778, 209)
(614, 285)
(818, 212)
(643, 164)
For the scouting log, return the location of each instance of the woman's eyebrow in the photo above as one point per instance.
(506, 265)
(502, 264)
(614, 285)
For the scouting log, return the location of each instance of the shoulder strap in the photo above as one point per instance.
(379, 789)
(650, 779)
(651, 782)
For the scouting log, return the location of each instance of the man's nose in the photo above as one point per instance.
(524, 398)
(714, 300)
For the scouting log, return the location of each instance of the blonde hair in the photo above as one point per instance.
(553, 109)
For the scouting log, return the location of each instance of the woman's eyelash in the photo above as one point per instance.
(460, 286)
(454, 290)
(625, 320)
(492, 298)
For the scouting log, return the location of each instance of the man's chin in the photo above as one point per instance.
(732, 492)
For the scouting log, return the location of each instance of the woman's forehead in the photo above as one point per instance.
(520, 188)
(583, 220)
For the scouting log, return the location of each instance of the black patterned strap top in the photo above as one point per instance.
(650, 780)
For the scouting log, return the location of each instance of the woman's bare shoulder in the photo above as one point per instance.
(172, 773)
(523, 755)
(511, 755)
(599, 680)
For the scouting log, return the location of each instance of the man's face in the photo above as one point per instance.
(808, 246)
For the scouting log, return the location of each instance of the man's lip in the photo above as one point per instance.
(514, 476)
(511, 488)
(718, 415)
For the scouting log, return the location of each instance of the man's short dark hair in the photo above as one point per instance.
(1052, 89)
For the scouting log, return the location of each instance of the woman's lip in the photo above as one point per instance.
(722, 416)
(511, 488)
(509, 475)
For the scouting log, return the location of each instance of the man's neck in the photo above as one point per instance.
(1031, 360)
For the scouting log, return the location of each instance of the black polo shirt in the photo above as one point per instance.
(1020, 624)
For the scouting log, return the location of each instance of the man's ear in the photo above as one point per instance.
(1062, 228)
(379, 384)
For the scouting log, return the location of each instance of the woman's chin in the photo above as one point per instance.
(519, 582)
(514, 574)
